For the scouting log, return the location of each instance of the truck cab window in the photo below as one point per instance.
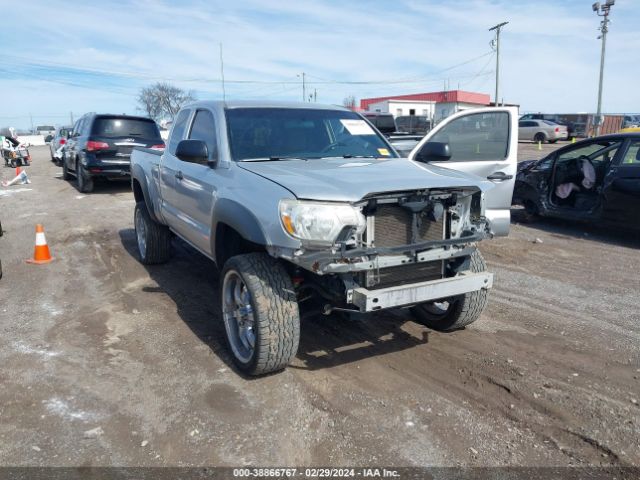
(177, 132)
(478, 136)
(204, 128)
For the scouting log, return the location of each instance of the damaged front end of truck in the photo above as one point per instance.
(400, 249)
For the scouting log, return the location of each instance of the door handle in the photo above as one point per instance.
(179, 175)
(499, 176)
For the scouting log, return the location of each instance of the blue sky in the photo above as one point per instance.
(95, 56)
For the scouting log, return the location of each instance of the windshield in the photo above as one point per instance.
(125, 127)
(280, 133)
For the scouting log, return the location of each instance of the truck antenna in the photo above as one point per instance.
(224, 95)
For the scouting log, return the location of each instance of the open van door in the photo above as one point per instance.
(482, 142)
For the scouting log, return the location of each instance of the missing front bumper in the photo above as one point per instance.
(370, 300)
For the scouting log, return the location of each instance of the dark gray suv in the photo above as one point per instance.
(100, 147)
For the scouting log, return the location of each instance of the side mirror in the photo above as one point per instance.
(194, 151)
(434, 152)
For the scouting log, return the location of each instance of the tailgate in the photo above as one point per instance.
(113, 138)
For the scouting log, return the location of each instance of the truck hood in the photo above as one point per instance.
(350, 179)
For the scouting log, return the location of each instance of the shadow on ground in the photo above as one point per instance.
(102, 186)
(587, 231)
(191, 281)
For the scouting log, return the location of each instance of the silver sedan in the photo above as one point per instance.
(542, 131)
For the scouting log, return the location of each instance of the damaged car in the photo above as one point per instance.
(299, 203)
(596, 180)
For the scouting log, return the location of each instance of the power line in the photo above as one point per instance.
(480, 72)
(407, 80)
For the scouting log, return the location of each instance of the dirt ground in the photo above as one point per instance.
(104, 361)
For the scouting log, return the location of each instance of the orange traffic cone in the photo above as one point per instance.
(41, 252)
(18, 171)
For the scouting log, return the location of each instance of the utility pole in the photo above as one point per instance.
(304, 87)
(497, 45)
(602, 11)
(31, 119)
(71, 118)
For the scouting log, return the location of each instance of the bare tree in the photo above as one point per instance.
(349, 102)
(163, 100)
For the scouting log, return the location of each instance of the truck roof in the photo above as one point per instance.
(264, 104)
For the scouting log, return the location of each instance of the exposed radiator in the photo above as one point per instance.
(393, 227)
(404, 274)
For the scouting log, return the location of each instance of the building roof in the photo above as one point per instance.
(459, 96)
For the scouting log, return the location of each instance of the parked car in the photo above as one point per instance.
(576, 124)
(384, 122)
(58, 142)
(101, 144)
(404, 144)
(594, 180)
(630, 121)
(302, 204)
(46, 131)
(413, 124)
(541, 131)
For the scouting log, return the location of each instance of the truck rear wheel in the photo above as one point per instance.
(456, 312)
(260, 313)
(154, 239)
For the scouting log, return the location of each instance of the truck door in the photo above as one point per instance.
(169, 167)
(482, 142)
(621, 192)
(195, 185)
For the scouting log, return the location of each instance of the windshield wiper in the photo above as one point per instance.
(358, 156)
(274, 159)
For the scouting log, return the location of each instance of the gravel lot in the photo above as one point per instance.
(108, 362)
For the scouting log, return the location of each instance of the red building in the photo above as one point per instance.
(446, 103)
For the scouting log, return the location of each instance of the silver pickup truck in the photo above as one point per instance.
(300, 204)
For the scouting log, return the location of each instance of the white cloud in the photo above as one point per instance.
(550, 55)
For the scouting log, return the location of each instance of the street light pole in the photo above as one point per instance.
(602, 11)
(497, 29)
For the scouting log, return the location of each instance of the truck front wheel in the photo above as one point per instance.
(260, 313)
(154, 239)
(456, 312)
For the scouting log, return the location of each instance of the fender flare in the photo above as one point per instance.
(240, 219)
(137, 175)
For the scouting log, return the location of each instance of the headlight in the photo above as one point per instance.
(318, 223)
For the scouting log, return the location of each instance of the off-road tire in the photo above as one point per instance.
(85, 182)
(157, 237)
(275, 310)
(539, 137)
(463, 310)
(65, 171)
